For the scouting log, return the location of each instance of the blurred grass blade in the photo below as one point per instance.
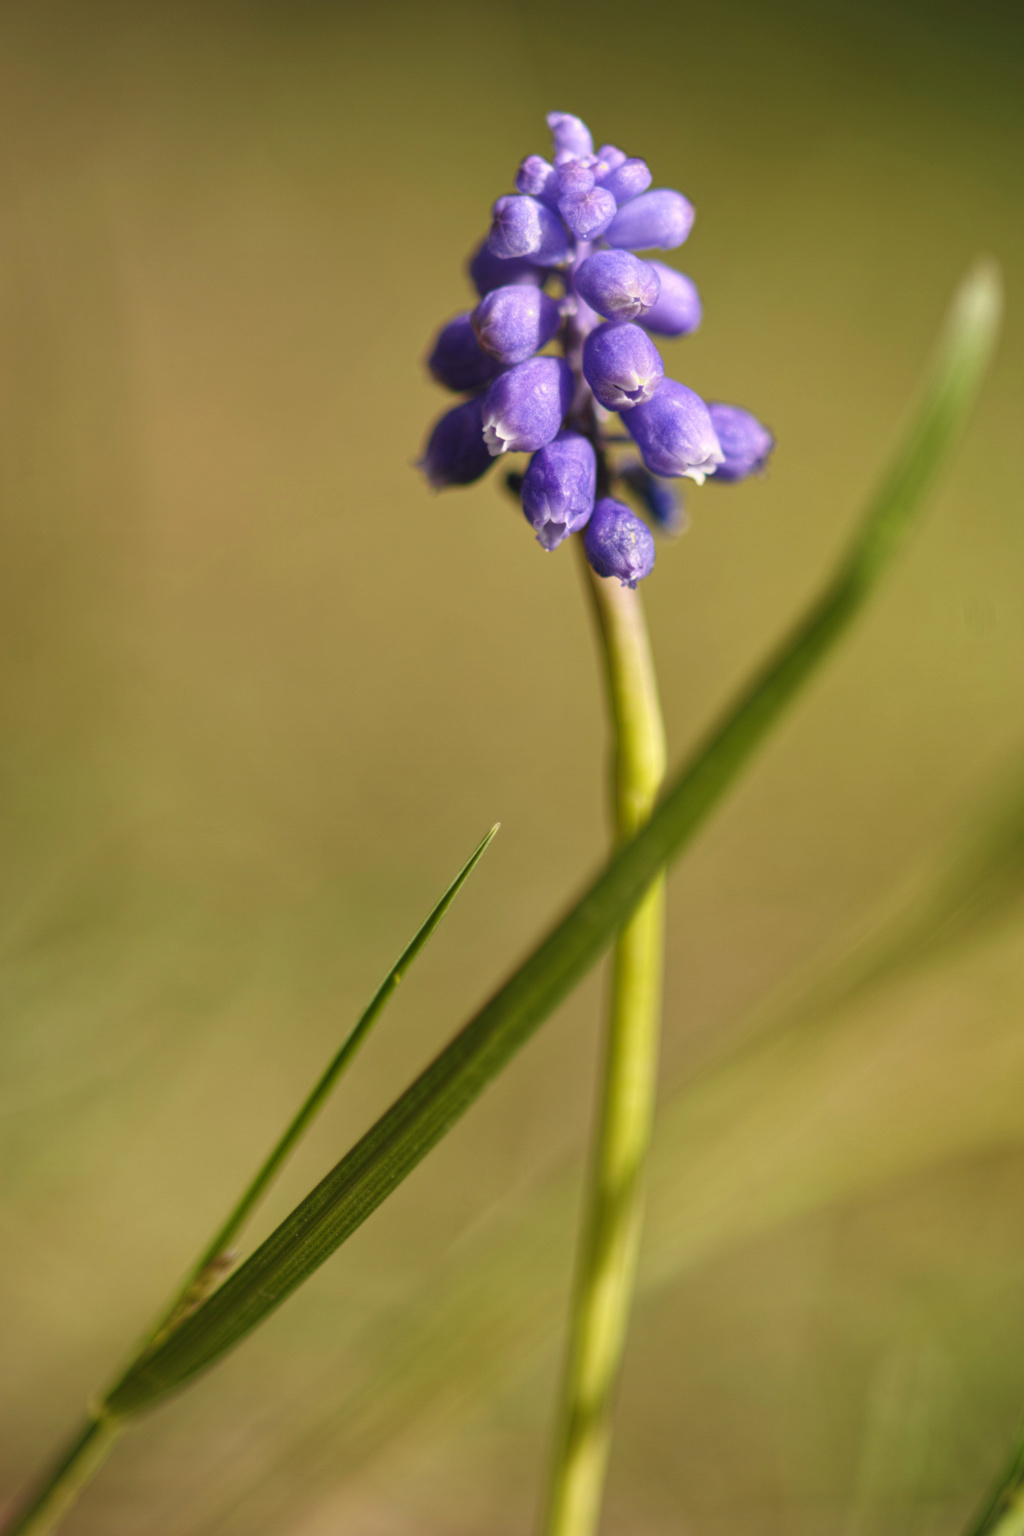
(1003, 1514)
(436, 1100)
(59, 1489)
(210, 1267)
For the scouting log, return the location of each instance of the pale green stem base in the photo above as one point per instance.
(66, 1479)
(607, 1264)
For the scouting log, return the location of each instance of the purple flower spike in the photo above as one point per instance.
(674, 433)
(570, 135)
(457, 361)
(653, 221)
(515, 322)
(525, 407)
(588, 214)
(608, 159)
(745, 442)
(622, 365)
(487, 271)
(618, 284)
(524, 226)
(628, 180)
(537, 177)
(678, 309)
(558, 488)
(456, 453)
(618, 543)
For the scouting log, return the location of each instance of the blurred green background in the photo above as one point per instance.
(262, 692)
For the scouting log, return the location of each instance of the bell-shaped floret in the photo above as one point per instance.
(525, 407)
(628, 180)
(622, 365)
(456, 453)
(608, 159)
(487, 271)
(457, 360)
(513, 323)
(558, 488)
(570, 135)
(674, 433)
(618, 543)
(524, 226)
(745, 441)
(617, 284)
(537, 177)
(677, 311)
(657, 220)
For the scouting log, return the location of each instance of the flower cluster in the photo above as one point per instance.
(574, 225)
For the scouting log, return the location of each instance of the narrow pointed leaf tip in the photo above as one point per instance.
(429, 1108)
(216, 1258)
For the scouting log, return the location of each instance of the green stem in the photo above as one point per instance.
(74, 1468)
(607, 1265)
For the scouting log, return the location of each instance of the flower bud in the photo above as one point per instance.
(457, 361)
(674, 433)
(515, 322)
(524, 408)
(558, 488)
(537, 177)
(628, 180)
(569, 134)
(745, 443)
(574, 178)
(617, 284)
(622, 365)
(456, 453)
(661, 498)
(524, 226)
(654, 220)
(677, 311)
(618, 543)
(487, 271)
(588, 214)
(608, 159)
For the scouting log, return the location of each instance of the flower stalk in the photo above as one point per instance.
(615, 1182)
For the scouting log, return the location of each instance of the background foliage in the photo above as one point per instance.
(260, 693)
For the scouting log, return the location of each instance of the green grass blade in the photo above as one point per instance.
(443, 1092)
(211, 1265)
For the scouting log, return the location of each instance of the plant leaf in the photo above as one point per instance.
(444, 1091)
(216, 1258)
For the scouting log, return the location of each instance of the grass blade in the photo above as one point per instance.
(435, 1101)
(58, 1490)
(211, 1265)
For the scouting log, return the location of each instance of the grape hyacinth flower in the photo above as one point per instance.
(457, 453)
(513, 323)
(558, 488)
(525, 407)
(561, 271)
(744, 441)
(675, 434)
(622, 365)
(524, 226)
(618, 285)
(618, 543)
(656, 220)
(487, 271)
(457, 360)
(677, 309)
